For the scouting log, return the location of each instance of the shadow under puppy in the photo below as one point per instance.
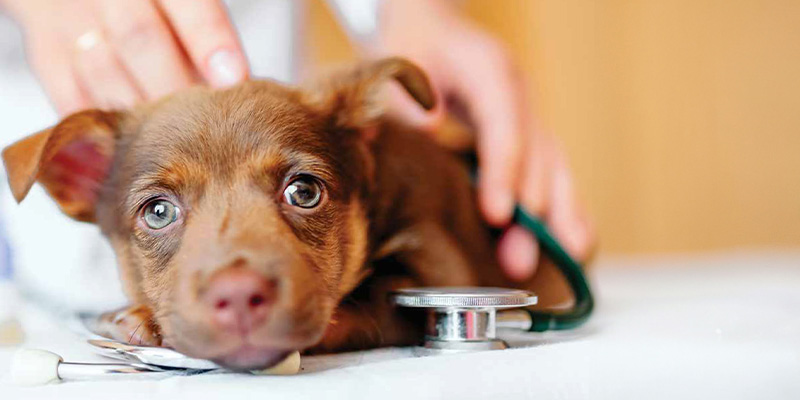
(262, 219)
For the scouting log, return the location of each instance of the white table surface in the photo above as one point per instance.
(709, 326)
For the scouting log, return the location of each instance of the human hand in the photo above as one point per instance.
(518, 161)
(116, 53)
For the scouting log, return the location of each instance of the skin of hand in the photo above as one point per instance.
(474, 73)
(116, 53)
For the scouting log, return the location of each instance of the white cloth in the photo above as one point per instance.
(702, 327)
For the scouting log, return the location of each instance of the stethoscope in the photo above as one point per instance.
(467, 319)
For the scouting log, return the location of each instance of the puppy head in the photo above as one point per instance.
(237, 216)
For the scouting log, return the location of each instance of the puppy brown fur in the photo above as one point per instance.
(396, 209)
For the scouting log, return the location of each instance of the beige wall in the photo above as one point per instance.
(681, 118)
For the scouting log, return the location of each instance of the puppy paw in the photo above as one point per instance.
(134, 325)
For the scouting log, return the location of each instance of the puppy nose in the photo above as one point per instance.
(239, 299)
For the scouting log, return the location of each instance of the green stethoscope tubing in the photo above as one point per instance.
(584, 302)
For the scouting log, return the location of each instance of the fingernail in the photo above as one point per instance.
(226, 68)
(502, 202)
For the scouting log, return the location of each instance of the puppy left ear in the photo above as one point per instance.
(71, 160)
(351, 97)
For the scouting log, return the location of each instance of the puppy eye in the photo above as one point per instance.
(303, 192)
(160, 213)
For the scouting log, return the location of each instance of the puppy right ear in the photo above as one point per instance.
(350, 96)
(71, 160)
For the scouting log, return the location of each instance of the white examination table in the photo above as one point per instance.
(711, 326)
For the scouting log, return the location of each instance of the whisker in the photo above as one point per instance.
(371, 320)
(130, 339)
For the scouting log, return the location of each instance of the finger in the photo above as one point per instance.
(52, 64)
(537, 167)
(145, 45)
(564, 215)
(205, 31)
(101, 75)
(518, 253)
(493, 99)
(585, 250)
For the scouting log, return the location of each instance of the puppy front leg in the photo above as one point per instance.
(434, 256)
(372, 323)
(134, 325)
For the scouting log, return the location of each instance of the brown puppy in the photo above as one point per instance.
(263, 219)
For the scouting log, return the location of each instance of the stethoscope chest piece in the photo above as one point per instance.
(462, 318)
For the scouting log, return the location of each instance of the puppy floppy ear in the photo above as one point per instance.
(70, 160)
(351, 97)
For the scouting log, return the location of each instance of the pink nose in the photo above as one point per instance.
(239, 299)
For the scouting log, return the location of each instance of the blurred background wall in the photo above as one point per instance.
(681, 118)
